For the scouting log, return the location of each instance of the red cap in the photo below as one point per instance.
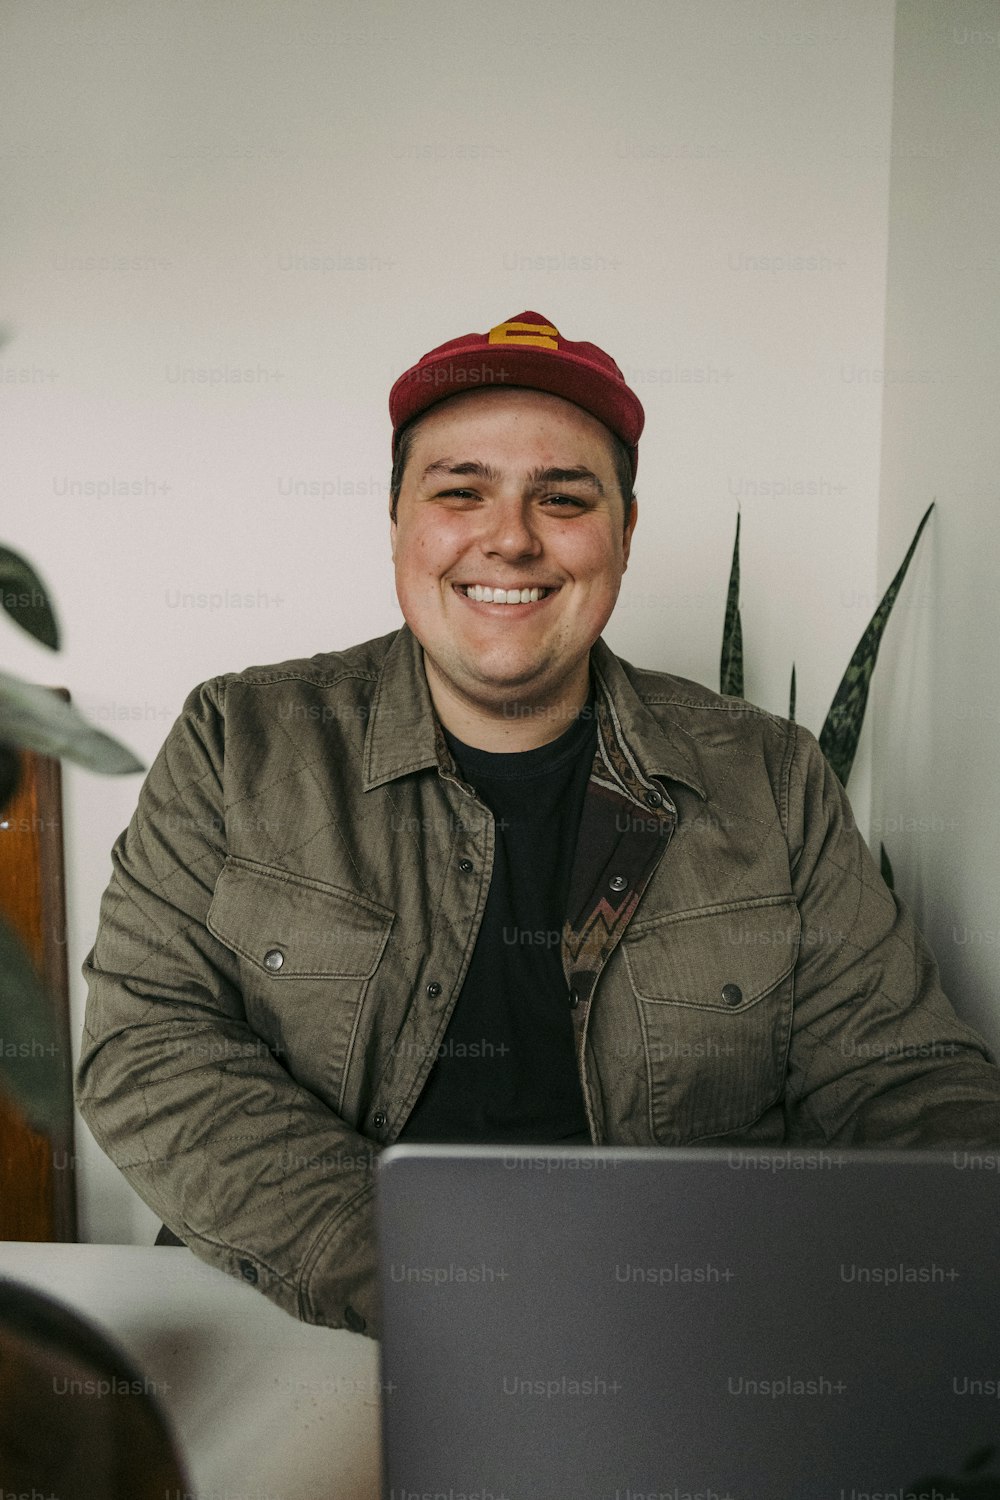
(525, 351)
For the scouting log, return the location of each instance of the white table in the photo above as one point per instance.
(262, 1406)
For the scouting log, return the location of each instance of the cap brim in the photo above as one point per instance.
(496, 367)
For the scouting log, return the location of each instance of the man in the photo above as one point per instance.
(481, 880)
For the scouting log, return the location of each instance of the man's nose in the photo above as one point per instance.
(509, 528)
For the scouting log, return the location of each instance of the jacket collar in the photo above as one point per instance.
(401, 724)
(404, 731)
(661, 749)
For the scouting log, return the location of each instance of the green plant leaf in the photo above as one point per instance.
(37, 719)
(791, 696)
(840, 733)
(32, 1067)
(26, 599)
(731, 664)
(886, 868)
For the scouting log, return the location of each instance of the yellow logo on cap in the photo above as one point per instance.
(541, 335)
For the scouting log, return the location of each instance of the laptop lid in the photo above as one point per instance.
(624, 1324)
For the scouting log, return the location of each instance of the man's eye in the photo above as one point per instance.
(560, 501)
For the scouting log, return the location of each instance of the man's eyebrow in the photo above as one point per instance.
(537, 478)
(579, 475)
(471, 469)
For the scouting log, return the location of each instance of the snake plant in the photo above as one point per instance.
(841, 730)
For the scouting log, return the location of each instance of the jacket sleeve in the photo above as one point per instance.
(255, 1173)
(877, 1052)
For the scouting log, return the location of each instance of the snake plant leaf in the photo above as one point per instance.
(840, 733)
(32, 1065)
(886, 868)
(791, 696)
(731, 664)
(37, 719)
(26, 599)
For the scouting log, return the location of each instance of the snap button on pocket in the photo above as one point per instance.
(653, 799)
(379, 1119)
(433, 989)
(465, 865)
(618, 882)
(732, 994)
(273, 958)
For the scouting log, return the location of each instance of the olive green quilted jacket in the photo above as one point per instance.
(295, 903)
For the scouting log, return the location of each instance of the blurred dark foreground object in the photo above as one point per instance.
(77, 1419)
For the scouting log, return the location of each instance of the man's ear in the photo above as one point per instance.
(392, 537)
(627, 540)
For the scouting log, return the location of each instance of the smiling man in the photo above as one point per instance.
(481, 880)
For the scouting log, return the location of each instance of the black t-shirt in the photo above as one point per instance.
(506, 1071)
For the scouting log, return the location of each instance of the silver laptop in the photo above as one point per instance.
(622, 1324)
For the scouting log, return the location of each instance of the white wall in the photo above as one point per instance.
(317, 194)
(937, 703)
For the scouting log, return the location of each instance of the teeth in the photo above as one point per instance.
(486, 595)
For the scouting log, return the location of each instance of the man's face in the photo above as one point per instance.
(510, 489)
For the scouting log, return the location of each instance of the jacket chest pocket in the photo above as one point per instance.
(307, 953)
(714, 994)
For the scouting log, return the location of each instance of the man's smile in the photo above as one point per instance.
(515, 600)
